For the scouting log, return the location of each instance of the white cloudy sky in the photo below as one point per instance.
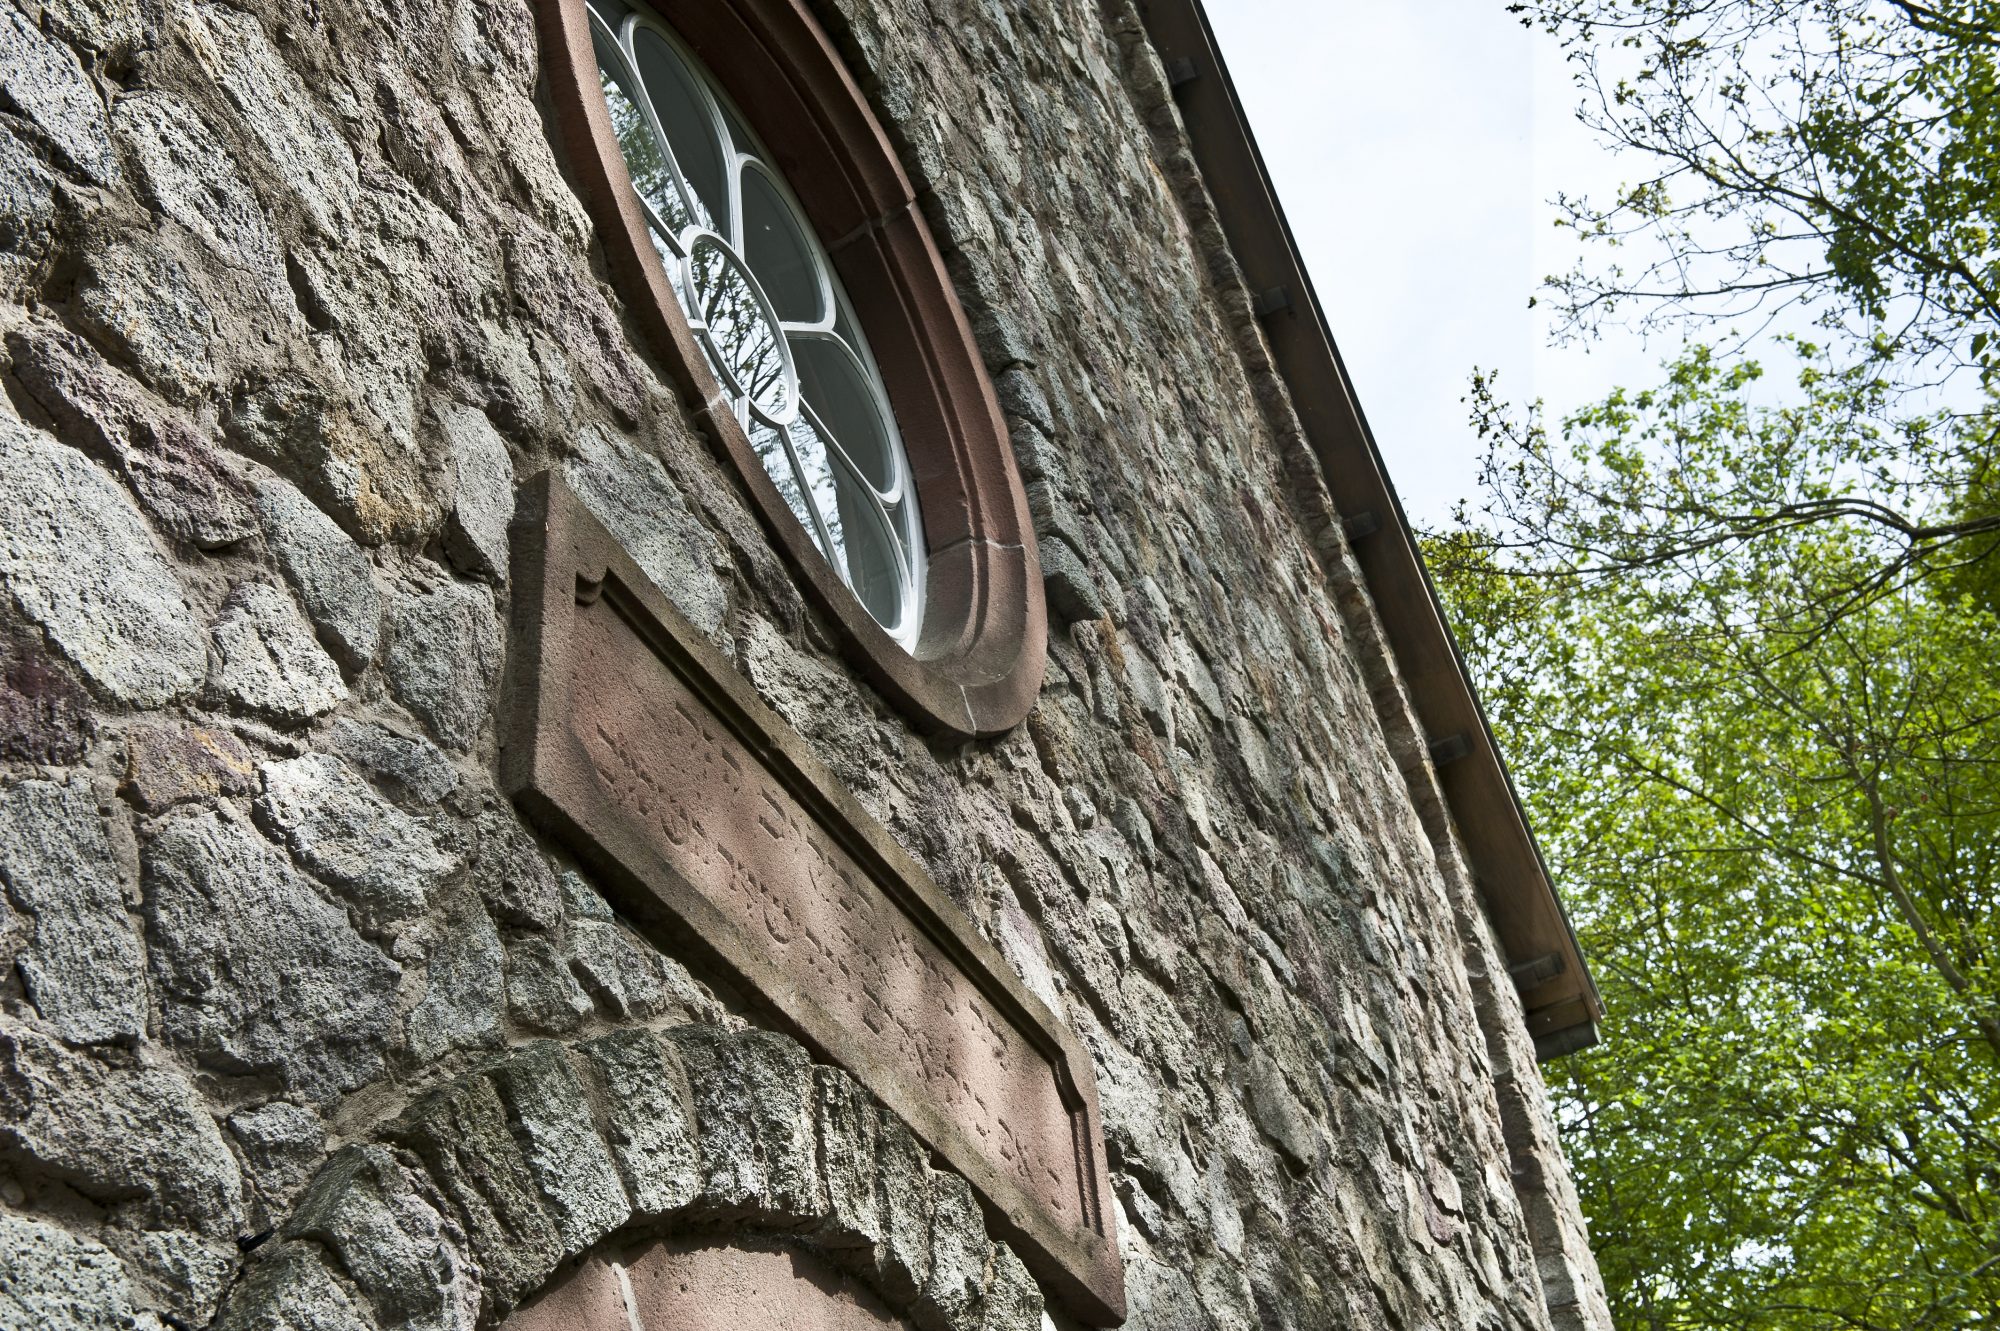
(1415, 144)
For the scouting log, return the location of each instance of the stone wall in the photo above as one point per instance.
(290, 296)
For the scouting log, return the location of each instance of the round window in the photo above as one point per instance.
(862, 424)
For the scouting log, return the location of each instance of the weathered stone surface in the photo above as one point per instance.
(388, 1240)
(165, 460)
(82, 967)
(631, 493)
(462, 1137)
(651, 1123)
(410, 766)
(120, 615)
(1013, 1299)
(255, 971)
(53, 1280)
(463, 1006)
(552, 1124)
(178, 1272)
(267, 661)
(143, 299)
(44, 713)
(167, 765)
(849, 1122)
(290, 1289)
(625, 977)
(956, 1281)
(443, 659)
(542, 992)
(27, 218)
(315, 167)
(338, 450)
(187, 173)
(42, 81)
(281, 1142)
(753, 1103)
(902, 1257)
(475, 533)
(384, 861)
(514, 877)
(134, 1135)
(331, 575)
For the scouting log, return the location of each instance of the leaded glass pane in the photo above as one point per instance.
(770, 315)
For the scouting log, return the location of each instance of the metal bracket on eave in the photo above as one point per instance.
(1448, 749)
(1181, 71)
(1567, 1041)
(1275, 300)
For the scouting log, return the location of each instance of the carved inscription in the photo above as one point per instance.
(747, 845)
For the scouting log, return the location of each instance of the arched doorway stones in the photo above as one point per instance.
(482, 1190)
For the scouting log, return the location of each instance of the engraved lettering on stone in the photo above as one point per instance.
(748, 846)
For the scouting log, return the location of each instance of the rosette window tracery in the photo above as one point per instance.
(768, 311)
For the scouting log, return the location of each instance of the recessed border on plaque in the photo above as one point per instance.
(577, 590)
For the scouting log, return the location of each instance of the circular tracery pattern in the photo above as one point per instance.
(770, 316)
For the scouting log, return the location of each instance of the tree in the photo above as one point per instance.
(1737, 633)
(1831, 165)
(1779, 834)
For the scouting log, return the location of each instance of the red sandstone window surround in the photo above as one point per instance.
(921, 554)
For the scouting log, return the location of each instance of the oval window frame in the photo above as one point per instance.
(978, 662)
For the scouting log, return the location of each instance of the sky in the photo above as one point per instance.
(1415, 145)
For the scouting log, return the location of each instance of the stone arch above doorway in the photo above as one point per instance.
(486, 1189)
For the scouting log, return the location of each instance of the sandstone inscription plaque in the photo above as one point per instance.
(629, 737)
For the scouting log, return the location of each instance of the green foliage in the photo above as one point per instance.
(1737, 633)
(1768, 781)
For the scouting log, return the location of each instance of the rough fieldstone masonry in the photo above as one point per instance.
(307, 1022)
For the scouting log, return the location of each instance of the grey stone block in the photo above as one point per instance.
(651, 1120)
(464, 992)
(443, 659)
(185, 171)
(255, 971)
(849, 1122)
(514, 877)
(120, 615)
(280, 1142)
(468, 1150)
(331, 575)
(181, 1273)
(629, 490)
(902, 1179)
(384, 861)
(391, 1243)
(52, 1280)
(290, 1289)
(1013, 1299)
(621, 974)
(168, 462)
(28, 212)
(43, 82)
(542, 992)
(753, 1100)
(475, 533)
(82, 966)
(571, 1163)
(116, 1134)
(267, 661)
(956, 1281)
(409, 765)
